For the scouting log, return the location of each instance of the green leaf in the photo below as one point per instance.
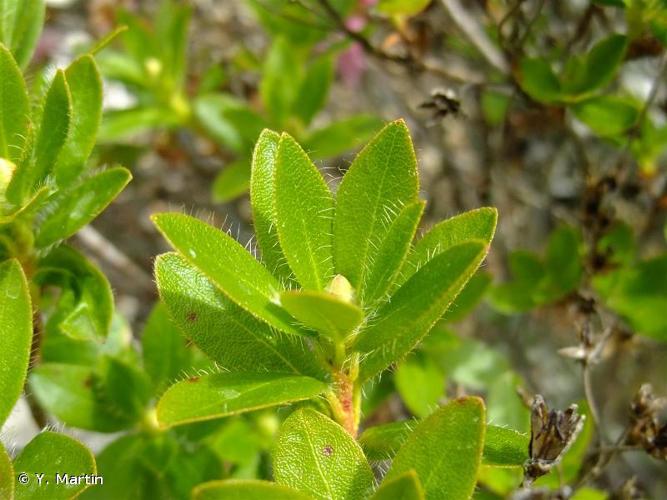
(20, 26)
(279, 74)
(416, 306)
(228, 265)
(6, 475)
(14, 108)
(124, 123)
(538, 80)
(85, 86)
(314, 89)
(421, 384)
(380, 182)
(165, 352)
(262, 198)
(16, 334)
(403, 487)
(228, 121)
(234, 489)
(596, 69)
(304, 215)
(90, 317)
(49, 141)
(53, 454)
(232, 182)
(445, 450)
(402, 7)
(391, 254)
(75, 395)
(341, 136)
(68, 210)
(563, 264)
(315, 455)
(225, 332)
(223, 394)
(639, 294)
(382, 442)
(323, 312)
(607, 116)
(479, 224)
(504, 447)
(469, 297)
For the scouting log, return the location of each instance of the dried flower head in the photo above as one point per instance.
(443, 103)
(551, 434)
(647, 428)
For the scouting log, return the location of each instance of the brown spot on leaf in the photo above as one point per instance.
(88, 382)
(191, 317)
(327, 451)
(193, 379)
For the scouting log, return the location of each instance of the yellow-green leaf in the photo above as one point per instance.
(445, 450)
(323, 312)
(53, 454)
(15, 334)
(404, 487)
(213, 396)
(6, 475)
(304, 215)
(14, 108)
(415, 307)
(380, 182)
(249, 489)
(317, 456)
(228, 265)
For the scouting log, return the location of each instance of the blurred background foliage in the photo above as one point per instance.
(554, 112)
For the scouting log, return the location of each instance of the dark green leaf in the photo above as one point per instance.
(225, 332)
(445, 450)
(16, 334)
(596, 69)
(469, 297)
(234, 489)
(53, 454)
(124, 123)
(68, 210)
(317, 456)
(304, 215)
(380, 182)
(85, 87)
(228, 265)
(14, 108)
(416, 306)
(219, 395)
(404, 487)
(538, 80)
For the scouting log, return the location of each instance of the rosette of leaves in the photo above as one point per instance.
(294, 81)
(342, 293)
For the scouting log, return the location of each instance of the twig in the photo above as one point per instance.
(474, 32)
(407, 59)
(106, 250)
